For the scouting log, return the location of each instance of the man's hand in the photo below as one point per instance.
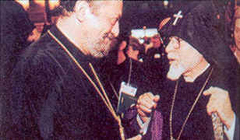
(145, 104)
(220, 102)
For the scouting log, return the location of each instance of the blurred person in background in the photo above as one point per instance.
(15, 30)
(155, 61)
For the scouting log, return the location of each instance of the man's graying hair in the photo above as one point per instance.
(68, 5)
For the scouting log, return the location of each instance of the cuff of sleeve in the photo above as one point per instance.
(143, 126)
(230, 132)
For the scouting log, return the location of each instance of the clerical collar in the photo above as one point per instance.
(102, 92)
(192, 79)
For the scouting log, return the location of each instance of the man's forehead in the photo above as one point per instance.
(174, 38)
(111, 7)
(237, 22)
(182, 40)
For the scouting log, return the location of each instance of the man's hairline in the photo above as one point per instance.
(93, 7)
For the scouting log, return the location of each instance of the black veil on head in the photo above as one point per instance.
(198, 27)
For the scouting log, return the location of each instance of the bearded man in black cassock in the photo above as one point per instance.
(204, 82)
(50, 97)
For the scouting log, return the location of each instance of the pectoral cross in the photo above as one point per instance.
(177, 16)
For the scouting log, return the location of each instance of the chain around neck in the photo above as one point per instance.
(190, 111)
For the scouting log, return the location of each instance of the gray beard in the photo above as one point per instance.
(175, 71)
(100, 49)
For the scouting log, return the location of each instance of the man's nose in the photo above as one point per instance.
(115, 29)
(168, 48)
(172, 45)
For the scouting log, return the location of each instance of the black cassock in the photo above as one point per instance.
(199, 125)
(51, 98)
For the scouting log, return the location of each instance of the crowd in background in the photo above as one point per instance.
(128, 56)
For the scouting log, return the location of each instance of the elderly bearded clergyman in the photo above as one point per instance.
(201, 103)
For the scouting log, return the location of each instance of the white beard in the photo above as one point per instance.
(175, 71)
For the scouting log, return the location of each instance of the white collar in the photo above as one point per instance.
(192, 79)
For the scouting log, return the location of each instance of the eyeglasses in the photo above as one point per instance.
(166, 40)
(175, 41)
(163, 41)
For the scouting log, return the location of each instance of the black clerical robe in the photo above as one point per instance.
(199, 125)
(133, 71)
(51, 98)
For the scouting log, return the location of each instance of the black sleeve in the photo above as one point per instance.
(130, 123)
(32, 100)
(236, 131)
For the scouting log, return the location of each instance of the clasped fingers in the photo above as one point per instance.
(147, 102)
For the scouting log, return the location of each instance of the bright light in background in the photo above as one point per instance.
(40, 2)
(141, 33)
(165, 3)
(53, 4)
(24, 3)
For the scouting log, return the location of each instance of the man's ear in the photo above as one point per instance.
(81, 9)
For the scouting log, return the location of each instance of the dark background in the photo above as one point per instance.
(137, 14)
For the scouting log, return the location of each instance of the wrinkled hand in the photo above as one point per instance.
(145, 104)
(220, 102)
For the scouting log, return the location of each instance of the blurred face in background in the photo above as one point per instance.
(156, 41)
(132, 53)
